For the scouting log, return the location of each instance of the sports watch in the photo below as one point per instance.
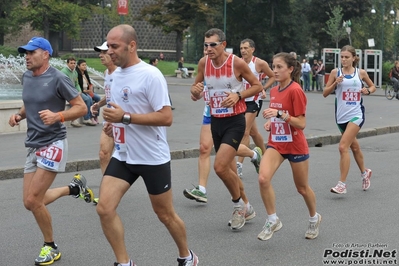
(126, 118)
(279, 113)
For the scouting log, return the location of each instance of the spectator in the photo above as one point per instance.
(315, 67)
(161, 56)
(86, 86)
(320, 74)
(306, 74)
(394, 76)
(182, 68)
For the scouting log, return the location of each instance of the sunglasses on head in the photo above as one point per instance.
(212, 44)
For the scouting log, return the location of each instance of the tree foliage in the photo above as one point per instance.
(6, 8)
(53, 16)
(334, 25)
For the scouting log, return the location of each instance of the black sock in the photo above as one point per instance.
(50, 244)
(74, 190)
(237, 200)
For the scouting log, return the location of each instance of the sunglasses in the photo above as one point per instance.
(212, 44)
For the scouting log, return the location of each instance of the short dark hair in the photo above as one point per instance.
(153, 60)
(70, 59)
(81, 61)
(250, 41)
(218, 32)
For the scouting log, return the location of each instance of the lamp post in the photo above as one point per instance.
(224, 17)
(187, 37)
(103, 6)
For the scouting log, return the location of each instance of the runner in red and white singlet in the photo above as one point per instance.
(223, 74)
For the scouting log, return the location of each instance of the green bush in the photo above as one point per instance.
(7, 51)
(386, 68)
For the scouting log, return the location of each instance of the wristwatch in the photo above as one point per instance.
(239, 95)
(126, 118)
(279, 113)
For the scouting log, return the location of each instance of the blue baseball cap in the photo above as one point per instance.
(36, 43)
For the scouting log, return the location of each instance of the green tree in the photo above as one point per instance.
(176, 16)
(52, 17)
(5, 23)
(334, 25)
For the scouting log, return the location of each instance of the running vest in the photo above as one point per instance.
(348, 97)
(252, 66)
(220, 81)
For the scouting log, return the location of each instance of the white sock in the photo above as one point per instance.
(364, 174)
(272, 218)
(254, 157)
(342, 183)
(202, 189)
(248, 205)
(126, 264)
(240, 164)
(314, 218)
(240, 203)
(189, 257)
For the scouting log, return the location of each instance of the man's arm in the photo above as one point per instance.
(242, 69)
(263, 67)
(198, 85)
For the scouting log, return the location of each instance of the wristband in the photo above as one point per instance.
(239, 95)
(62, 117)
(288, 119)
(19, 114)
(126, 118)
(368, 91)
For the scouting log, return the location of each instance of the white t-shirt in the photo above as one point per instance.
(140, 89)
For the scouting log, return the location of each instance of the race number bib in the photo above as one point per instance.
(351, 96)
(51, 156)
(216, 98)
(119, 138)
(280, 130)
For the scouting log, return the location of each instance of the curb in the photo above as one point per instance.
(313, 141)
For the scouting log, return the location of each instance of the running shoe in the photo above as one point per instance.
(195, 194)
(239, 169)
(48, 255)
(269, 228)
(313, 229)
(340, 188)
(238, 218)
(131, 264)
(85, 192)
(193, 262)
(249, 215)
(256, 162)
(366, 179)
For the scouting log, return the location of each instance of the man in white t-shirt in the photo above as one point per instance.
(137, 117)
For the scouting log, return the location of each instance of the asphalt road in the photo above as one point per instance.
(357, 221)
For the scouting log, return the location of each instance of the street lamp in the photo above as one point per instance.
(103, 5)
(347, 26)
(373, 11)
(224, 17)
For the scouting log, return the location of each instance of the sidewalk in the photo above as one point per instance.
(183, 135)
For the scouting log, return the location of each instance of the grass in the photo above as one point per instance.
(167, 67)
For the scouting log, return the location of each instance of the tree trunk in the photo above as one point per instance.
(179, 44)
(54, 40)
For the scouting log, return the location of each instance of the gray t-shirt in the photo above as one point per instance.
(47, 91)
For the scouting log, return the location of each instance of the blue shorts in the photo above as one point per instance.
(295, 158)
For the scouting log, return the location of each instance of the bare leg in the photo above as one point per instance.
(35, 187)
(358, 155)
(346, 141)
(106, 149)
(204, 160)
(300, 172)
(249, 121)
(257, 137)
(163, 207)
(111, 191)
(271, 161)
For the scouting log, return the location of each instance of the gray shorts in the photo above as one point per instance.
(52, 157)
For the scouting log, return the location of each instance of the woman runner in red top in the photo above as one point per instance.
(286, 114)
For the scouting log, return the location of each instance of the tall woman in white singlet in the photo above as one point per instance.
(349, 113)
